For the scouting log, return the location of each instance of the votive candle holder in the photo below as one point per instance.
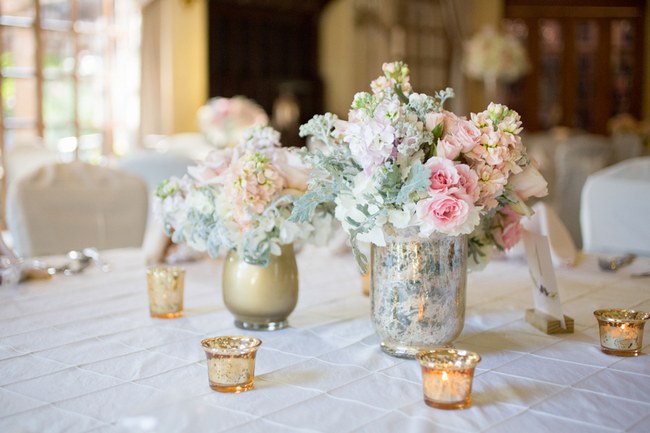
(165, 285)
(231, 362)
(621, 331)
(447, 376)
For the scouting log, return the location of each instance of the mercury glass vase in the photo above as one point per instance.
(261, 298)
(418, 291)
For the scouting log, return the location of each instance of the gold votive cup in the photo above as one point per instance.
(447, 377)
(231, 362)
(165, 285)
(621, 331)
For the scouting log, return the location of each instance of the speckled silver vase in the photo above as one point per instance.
(418, 291)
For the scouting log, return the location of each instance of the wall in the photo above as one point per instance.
(188, 63)
(340, 45)
(337, 58)
(337, 64)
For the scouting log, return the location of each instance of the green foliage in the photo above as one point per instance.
(418, 180)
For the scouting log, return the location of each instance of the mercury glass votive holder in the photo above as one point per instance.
(621, 331)
(165, 285)
(231, 362)
(447, 376)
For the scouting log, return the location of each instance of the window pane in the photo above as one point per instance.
(586, 52)
(18, 8)
(91, 104)
(550, 85)
(90, 146)
(90, 14)
(623, 63)
(55, 10)
(58, 54)
(18, 46)
(91, 50)
(19, 98)
(58, 102)
(16, 136)
(61, 139)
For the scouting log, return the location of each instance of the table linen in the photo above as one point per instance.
(81, 354)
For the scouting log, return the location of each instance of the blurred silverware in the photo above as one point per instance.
(641, 275)
(614, 263)
(79, 260)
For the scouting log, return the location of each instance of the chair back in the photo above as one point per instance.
(626, 146)
(60, 207)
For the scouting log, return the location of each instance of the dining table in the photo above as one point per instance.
(81, 353)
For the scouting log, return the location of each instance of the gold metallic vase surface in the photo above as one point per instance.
(418, 291)
(261, 298)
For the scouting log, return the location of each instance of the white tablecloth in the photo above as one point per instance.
(615, 208)
(81, 354)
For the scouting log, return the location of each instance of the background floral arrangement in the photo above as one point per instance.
(401, 161)
(223, 120)
(241, 198)
(491, 55)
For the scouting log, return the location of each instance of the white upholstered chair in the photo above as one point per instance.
(615, 208)
(60, 207)
(626, 146)
(27, 156)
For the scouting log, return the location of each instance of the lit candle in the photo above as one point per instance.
(621, 331)
(447, 377)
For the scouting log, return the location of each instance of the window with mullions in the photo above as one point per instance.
(587, 61)
(60, 79)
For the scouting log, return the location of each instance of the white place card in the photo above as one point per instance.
(546, 296)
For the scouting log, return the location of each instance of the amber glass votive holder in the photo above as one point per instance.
(231, 362)
(621, 331)
(165, 285)
(447, 376)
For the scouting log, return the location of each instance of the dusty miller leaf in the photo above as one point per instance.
(418, 180)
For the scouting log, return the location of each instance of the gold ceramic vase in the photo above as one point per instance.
(261, 298)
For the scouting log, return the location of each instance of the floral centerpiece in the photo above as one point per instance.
(241, 198)
(223, 120)
(492, 55)
(427, 189)
(402, 160)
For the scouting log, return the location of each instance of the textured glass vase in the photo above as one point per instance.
(418, 291)
(261, 298)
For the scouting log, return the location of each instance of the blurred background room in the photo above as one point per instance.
(132, 85)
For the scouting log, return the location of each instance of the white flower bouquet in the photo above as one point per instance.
(241, 198)
(492, 55)
(401, 160)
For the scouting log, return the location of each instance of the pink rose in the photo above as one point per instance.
(444, 176)
(212, 168)
(449, 147)
(292, 168)
(468, 181)
(507, 228)
(443, 212)
(433, 119)
(529, 183)
(466, 133)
